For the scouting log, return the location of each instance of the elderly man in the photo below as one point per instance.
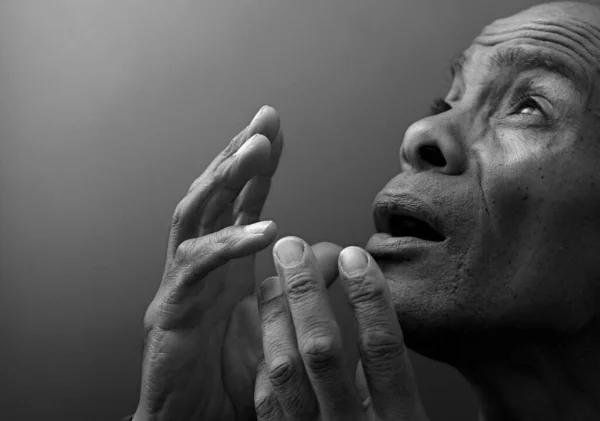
(486, 257)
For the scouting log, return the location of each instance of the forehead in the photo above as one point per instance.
(571, 35)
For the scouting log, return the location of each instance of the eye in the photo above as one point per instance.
(528, 105)
(439, 106)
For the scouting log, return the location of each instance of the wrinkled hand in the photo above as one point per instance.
(302, 376)
(202, 328)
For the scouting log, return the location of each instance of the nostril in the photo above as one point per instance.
(432, 155)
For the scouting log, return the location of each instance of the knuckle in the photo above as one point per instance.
(216, 244)
(266, 406)
(367, 292)
(224, 239)
(150, 316)
(222, 243)
(321, 353)
(185, 251)
(300, 284)
(282, 371)
(272, 318)
(382, 348)
(179, 213)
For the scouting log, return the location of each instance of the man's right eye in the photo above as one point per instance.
(439, 106)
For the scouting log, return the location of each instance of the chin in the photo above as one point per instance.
(441, 317)
(425, 257)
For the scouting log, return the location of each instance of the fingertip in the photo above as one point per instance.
(326, 254)
(327, 247)
(269, 289)
(259, 227)
(251, 159)
(293, 238)
(353, 261)
(257, 145)
(267, 111)
(289, 251)
(267, 122)
(271, 230)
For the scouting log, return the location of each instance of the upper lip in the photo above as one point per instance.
(389, 209)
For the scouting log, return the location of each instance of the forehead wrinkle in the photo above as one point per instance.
(582, 32)
(582, 80)
(585, 42)
(587, 31)
(521, 60)
(578, 50)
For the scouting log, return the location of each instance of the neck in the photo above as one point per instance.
(539, 379)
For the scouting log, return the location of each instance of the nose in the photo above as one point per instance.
(431, 144)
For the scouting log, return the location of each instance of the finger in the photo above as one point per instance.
(186, 278)
(250, 202)
(265, 122)
(218, 185)
(218, 190)
(362, 390)
(317, 333)
(265, 401)
(283, 362)
(224, 220)
(382, 351)
(327, 255)
(254, 160)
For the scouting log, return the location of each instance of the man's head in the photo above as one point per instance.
(507, 171)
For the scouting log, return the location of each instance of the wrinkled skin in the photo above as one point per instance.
(303, 376)
(518, 197)
(203, 336)
(510, 298)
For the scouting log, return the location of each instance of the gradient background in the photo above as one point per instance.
(109, 110)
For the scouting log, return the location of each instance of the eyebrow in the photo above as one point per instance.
(520, 60)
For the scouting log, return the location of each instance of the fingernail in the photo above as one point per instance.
(289, 251)
(262, 110)
(258, 228)
(270, 288)
(247, 144)
(354, 261)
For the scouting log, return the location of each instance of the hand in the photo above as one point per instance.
(302, 375)
(202, 328)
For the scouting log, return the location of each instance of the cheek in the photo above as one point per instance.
(539, 238)
(514, 188)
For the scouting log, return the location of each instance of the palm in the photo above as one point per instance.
(242, 342)
(216, 359)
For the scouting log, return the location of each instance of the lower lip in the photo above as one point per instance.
(384, 246)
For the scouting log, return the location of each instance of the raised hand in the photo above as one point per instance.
(202, 328)
(302, 375)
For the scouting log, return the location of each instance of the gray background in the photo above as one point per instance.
(108, 111)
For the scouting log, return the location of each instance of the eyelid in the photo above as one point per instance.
(519, 99)
(531, 88)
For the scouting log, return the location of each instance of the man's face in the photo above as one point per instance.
(507, 172)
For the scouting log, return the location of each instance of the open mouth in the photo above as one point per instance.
(399, 223)
(408, 226)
